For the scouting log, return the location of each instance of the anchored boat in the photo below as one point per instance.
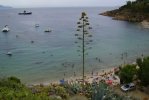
(5, 29)
(25, 13)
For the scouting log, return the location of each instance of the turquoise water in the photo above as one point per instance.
(42, 60)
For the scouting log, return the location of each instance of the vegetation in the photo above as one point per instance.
(141, 6)
(134, 11)
(143, 73)
(12, 89)
(139, 72)
(127, 73)
(83, 37)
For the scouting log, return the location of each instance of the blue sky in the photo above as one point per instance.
(61, 3)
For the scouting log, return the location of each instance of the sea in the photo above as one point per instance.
(39, 57)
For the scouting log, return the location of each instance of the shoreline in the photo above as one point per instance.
(145, 24)
(70, 79)
(106, 72)
(126, 14)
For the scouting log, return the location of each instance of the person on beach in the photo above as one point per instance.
(74, 74)
(92, 73)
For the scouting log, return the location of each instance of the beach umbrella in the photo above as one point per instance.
(62, 81)
(109, 82)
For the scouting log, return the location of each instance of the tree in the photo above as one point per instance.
(83, 36)
(140, 0)
(143, 72)
(127, 73)
(129, 3)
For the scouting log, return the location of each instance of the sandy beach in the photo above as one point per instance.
(107, 75)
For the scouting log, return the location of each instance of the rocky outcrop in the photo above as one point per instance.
(145, 24)
(126, 15)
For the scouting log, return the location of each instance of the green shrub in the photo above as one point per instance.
(127, 73)
(14, 79)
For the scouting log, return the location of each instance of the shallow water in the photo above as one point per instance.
(42, 60)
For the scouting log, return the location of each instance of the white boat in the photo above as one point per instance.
(36, 25)
(9, 53)
(48, 30)
(5, 29)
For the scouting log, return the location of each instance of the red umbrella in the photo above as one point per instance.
(109, 82)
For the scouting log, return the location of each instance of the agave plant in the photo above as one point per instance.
(83, 38)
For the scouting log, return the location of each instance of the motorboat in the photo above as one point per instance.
(5, 29)
(25, 13)
(9, 53)
(48, 30)
(36, 25)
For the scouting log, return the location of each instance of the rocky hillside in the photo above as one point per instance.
(136, 11)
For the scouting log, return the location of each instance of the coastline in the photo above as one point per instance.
(102, 74)
(127, 16)
(145, 24)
